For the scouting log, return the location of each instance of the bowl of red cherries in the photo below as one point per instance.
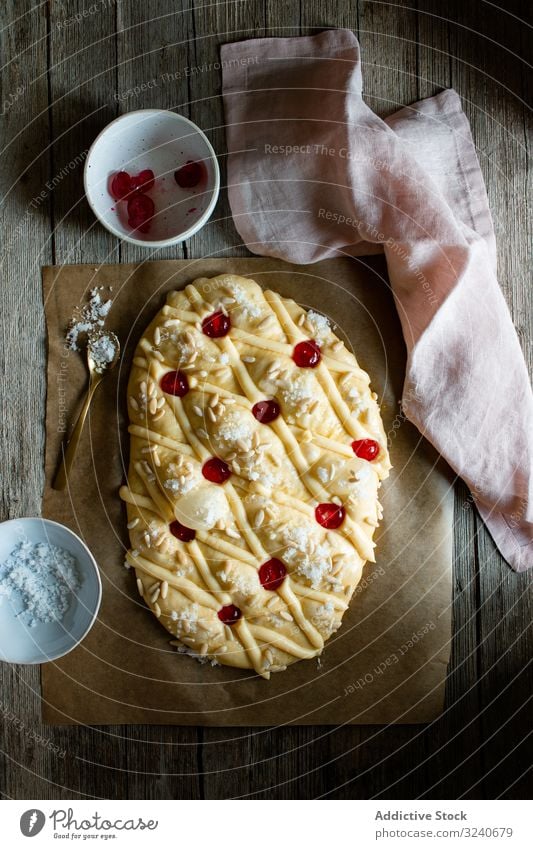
(152, 178)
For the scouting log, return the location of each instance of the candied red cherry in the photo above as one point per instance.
(272, 574)
(140, 211)
(181, 532)
(366, 449)
(189, 175)
(143, 181)
(216, 325)
(266, 411)
(330, 516)
(306, 354)
(229, 615)
(174, 383)
(216, 470)
(121, 185)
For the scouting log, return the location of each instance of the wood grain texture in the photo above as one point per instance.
(67, 72)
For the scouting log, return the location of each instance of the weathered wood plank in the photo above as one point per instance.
(489, 77)
(388, 39)
(82, 86)
(153, 58)
(25, 246)
(97, 60)
(213, 25)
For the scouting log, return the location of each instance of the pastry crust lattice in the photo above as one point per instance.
(280, 472)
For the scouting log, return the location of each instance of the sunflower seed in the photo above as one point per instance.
(133, 403)
(286, 615)
(248, 359)
(157, 610)
(140, 587)
(164, 589)
(259, 518)
(157, 336)
(133, 523)
(158, 415)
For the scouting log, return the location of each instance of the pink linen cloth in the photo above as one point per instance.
(314, 173)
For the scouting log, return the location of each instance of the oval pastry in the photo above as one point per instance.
(250, 512)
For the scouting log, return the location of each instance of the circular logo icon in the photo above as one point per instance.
(32, 822)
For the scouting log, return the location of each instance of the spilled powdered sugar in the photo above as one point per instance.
(87, 319)
(39, 580)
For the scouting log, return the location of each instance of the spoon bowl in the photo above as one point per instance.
(103, 353)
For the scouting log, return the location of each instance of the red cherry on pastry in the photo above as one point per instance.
(229, 615)
(189, 175)
(121, 185)
(330, 516)
(174, 383)
(266, 411)
(366, 449)
(216, 470)
(306, 354)
(216, 325)
(272, 574)
(181, 532)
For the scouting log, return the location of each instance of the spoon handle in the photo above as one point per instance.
(60, 480)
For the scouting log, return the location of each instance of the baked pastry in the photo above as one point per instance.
(257, 450)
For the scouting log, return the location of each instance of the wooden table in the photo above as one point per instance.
(72, 66)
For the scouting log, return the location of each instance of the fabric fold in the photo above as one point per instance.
(314, 173)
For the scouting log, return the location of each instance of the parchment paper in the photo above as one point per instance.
(388, 661)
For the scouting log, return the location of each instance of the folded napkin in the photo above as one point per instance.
(314, 173)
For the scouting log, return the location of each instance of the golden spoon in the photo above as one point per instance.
(103, 352)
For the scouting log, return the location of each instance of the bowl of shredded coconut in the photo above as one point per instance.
(50, 590)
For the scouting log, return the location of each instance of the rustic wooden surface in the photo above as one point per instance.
(69, 68)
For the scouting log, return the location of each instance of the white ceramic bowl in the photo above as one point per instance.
(20, 643)
(162, 141)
